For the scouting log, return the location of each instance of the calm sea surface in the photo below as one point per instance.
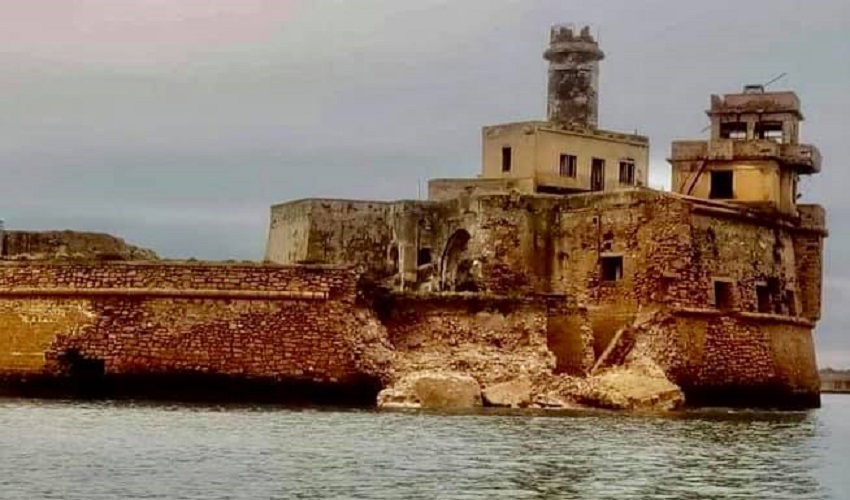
(120, 450)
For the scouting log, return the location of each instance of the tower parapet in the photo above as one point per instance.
(573, 77)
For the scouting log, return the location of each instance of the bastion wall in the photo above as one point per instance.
(297, 323)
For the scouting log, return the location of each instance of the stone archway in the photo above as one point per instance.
(457, 265)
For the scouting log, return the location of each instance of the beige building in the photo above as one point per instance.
(754, 157)
(560, 160)
(567, 153)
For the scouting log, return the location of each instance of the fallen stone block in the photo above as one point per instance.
(432, 390)
(515, 393)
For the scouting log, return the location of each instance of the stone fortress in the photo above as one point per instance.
(556, 278)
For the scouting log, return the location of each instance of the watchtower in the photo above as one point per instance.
(573, 77)
(753, 157)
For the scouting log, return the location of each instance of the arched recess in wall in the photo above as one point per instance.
(456, 264)
(392, 263)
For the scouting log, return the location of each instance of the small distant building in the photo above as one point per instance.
(835, 380)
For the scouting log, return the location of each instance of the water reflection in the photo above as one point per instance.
(126, 450)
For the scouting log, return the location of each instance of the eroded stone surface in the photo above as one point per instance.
(432, 389)
(512, 394)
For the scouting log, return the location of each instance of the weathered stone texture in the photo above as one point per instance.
(428, 389)
(66, 245)
(492, 339)
(84, 277)
(514, 393)
(745, 358)
(153, 319)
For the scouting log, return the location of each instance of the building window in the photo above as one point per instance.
(627, 172)
(763, 298)
(724, 295)
(423, 256)
(597, 174)
(733, 130)
(791, 302)
(567, 166)
(612, 268)
(722, 185)
(506, 159)
(770, 131)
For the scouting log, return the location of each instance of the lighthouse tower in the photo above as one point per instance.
(573, 78)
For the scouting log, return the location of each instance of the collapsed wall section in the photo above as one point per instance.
(492, 338)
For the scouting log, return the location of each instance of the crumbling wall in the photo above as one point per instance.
(570, 337)
(69, 245)
(289, 233)
(741, 359)
(644, 232)
(249, 322)
(750, 255)
(808, 249)
(388, 241)
(494, 339)
(573, 77)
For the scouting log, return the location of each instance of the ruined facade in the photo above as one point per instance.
(554, 278)
(731, 279)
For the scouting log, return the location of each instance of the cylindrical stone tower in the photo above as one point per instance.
(573, 77)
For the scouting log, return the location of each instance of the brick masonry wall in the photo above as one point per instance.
(808, 249)
(335, 283)
(744, 358)
(247, 321)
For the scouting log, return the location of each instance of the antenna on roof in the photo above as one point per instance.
(775, 79)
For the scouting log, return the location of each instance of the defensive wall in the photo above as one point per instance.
(132, 321)
(743, 288)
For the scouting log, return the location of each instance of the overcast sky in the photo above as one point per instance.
(176, 123)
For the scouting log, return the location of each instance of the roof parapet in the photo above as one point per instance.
(754, 99)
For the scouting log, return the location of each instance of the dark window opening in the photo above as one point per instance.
(567, 166)
(724, 298)
(721, 185)
(733, 130)
(393, 259)
(666, 287)
(465, 277)
(627, 172)
(612, 268)
(763, 298)
(770, 131)
(791, 302)
(597, 174)
(506, 159)
(423, 256)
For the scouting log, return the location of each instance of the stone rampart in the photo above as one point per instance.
(295, 323)
(734, 359)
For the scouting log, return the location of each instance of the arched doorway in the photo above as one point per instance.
(457, 265)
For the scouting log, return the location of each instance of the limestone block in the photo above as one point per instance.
(515, 393)
(432, 390)
(637, 386)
